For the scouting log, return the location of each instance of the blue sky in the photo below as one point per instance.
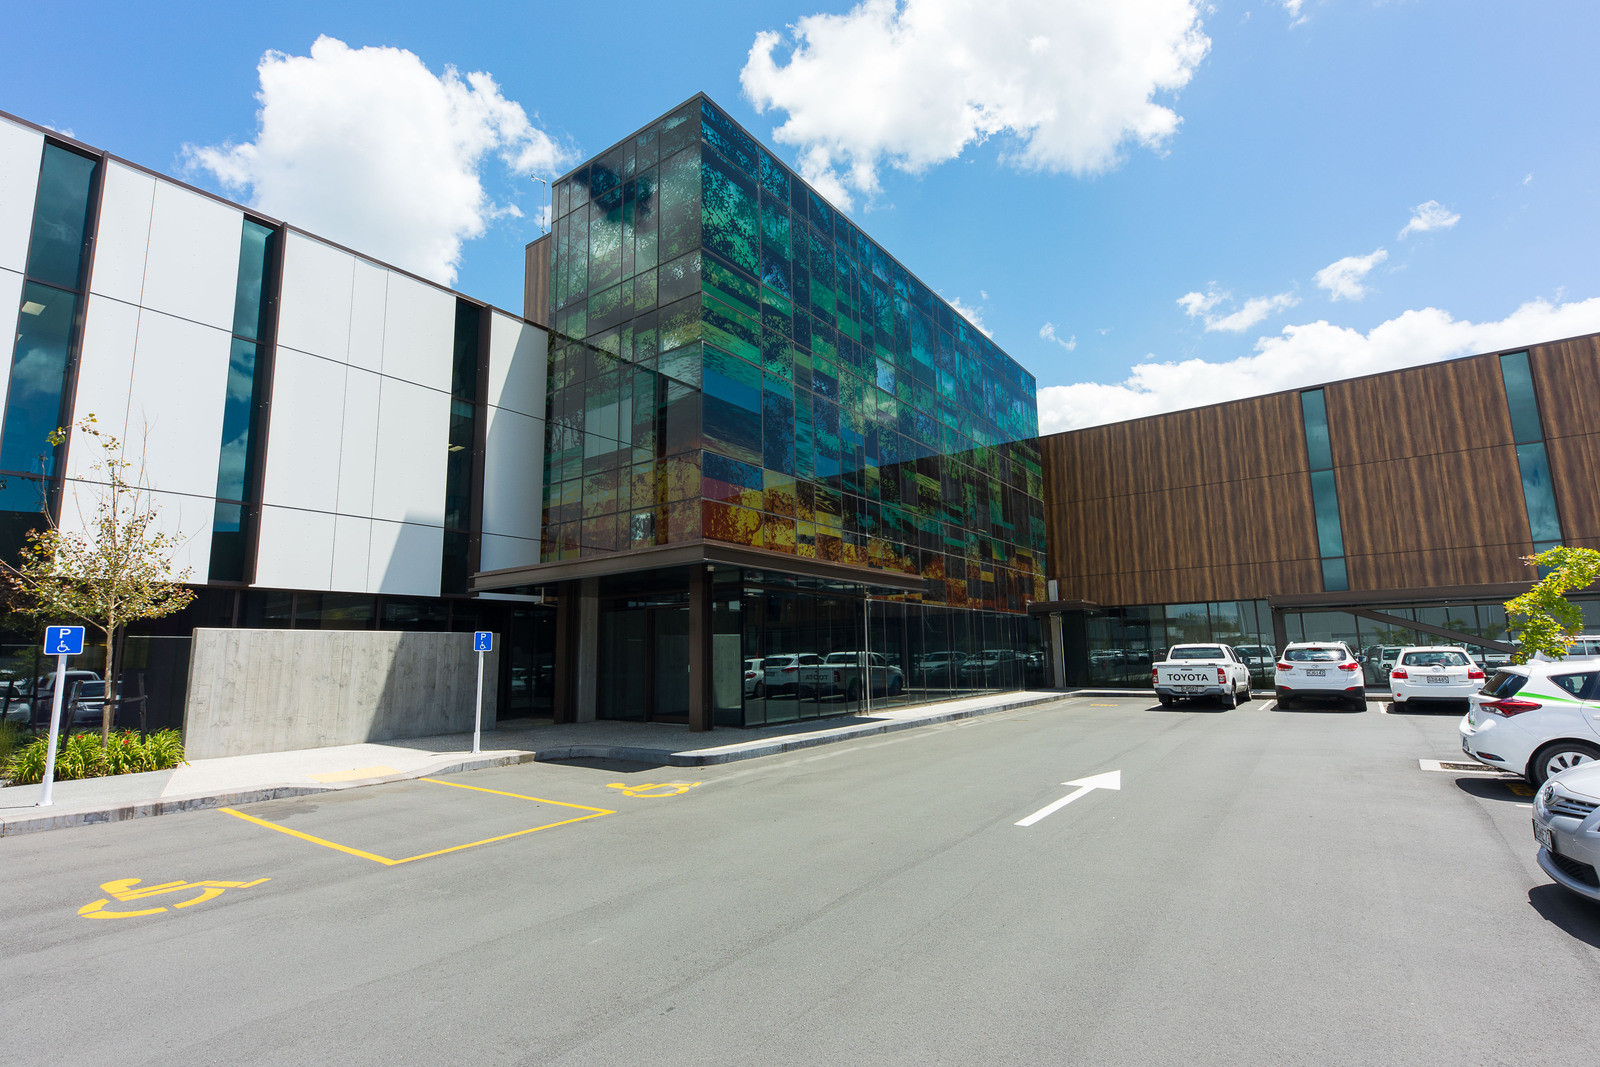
(1200, 201)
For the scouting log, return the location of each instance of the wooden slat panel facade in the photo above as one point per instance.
(1215, 503)
(536, 282)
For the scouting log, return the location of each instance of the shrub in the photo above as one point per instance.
(10, 740)
(83, 756)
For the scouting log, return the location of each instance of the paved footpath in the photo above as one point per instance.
(211, 783)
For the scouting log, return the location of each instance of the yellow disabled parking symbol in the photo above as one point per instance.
(128, 891)
(654, 789)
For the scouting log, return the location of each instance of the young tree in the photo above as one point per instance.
(117, 571)
(1545, 619)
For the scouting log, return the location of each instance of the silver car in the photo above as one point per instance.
(1566, 823)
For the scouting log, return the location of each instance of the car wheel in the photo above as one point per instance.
(1557, 757)
(761, 689)
(1244, 695)
(1167, 702)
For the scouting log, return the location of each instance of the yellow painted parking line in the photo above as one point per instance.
(353, 775)
(128, 890)
(652, 790)
(594, 813)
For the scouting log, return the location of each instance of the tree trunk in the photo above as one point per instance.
(108, 709)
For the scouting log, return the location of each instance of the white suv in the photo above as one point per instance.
(1434, 672)
(1536, 719)
(1320, 669)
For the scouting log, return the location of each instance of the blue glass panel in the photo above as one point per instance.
(38, 375)
(60, 216)
(238, 420)
(1520, 397)
(723, 469)
(1333, 575)
(720, 133)
(1314, 410)
(248, 307)
(1325, 500)
(778, 432)
(1537, 493)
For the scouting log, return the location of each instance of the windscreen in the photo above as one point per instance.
(1314, 655)
(1434, 659)
(1197, 652)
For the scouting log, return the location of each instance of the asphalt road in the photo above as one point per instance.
(1266, 888)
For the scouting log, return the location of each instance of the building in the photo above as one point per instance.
(757, 421)
(1385, 510)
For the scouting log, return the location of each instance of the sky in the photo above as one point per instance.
(1150, 204)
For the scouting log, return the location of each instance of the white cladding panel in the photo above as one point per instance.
(517, 364)
(314, 311)
(405, 558)
(21, 153)
(419, 334)
(302, 467)
(366, 316)
(180, 386)
(513, 474)
(105, 376)
(352, 538)
(498, 552)
(193, 267)
(185, 518)
(10, 310)
(123, 240)
(413, 438)
(295, 549)
(358, 449)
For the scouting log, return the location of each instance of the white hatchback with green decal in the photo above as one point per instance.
(1536, 719)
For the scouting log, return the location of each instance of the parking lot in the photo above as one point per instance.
(1097, 880)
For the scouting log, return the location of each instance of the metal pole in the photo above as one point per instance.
(477, 715)
(55, 725)
(866, 646)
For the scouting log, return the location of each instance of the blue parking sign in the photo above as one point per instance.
(482, 641)
(63, 640)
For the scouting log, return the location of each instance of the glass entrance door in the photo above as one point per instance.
(669, 667)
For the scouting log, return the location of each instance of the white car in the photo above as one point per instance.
(1566, 823)
(1536, 719)
(1433, 672)
(755, 678)
(782, 673)
(1319, 670)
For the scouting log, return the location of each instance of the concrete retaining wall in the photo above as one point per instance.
(274, 690)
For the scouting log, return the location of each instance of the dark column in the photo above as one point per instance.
(562, 702)
(700, 703)
(1280, 631)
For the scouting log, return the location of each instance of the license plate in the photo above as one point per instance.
(1315, 674)
(1438, 680)
(1545, 838)
(1189, 688)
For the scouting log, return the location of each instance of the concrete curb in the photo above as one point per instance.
(775, 746)
(27, 824)
(34, 823)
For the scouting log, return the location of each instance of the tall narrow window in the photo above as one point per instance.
(1527, 431)
(37, 399)
(463, 437)
(253, 303)
(1324, 490)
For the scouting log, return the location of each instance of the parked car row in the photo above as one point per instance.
(842, 673)
(28, 701)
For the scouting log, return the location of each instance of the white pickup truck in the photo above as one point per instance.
(1211, 670)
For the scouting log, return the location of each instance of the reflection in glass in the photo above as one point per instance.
(1543, 521)
(1325, 500)
(60, 217)
(1518, 377)
(38, 376)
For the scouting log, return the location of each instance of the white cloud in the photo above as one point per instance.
(1306, 355)
(1343, 278)
(973, 315)
(1293, 8)
(368, 147)
(1527, 180)
(1252, 311)
(1047, 332)
(912, 84)
(1429, 216)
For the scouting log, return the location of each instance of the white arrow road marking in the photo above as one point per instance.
(1108, 780)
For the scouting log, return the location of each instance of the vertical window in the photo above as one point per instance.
(1538, 495)
(43, 354)
(253, 304)
(463, 437)
(1324, 490)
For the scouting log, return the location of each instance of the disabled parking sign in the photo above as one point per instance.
(63, 640)
(483, 641)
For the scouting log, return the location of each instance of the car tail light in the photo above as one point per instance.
(1475, 674)
(1399, 672)
(1512, 706)
(790, 669)
(1222, 676)
(1350, 666)
(1286, 666)
(1153, 674)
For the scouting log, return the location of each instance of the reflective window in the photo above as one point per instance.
(60, 217)
(1543, 521)
(1325, 499)
(38, 377)
(249, 307)
(1520, 397)
(1314, 409)
(1333, 574)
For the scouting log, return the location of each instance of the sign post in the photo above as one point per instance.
(60, 642)
(482, 641)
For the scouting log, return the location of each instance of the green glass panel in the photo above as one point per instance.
(38, 377)
(1544, 521)
(732, 288)
(248, 307)
(680, 205)
(1319, 451)
(728, 329)
(1524, 405)
(1325, 501)
(731, 226)
(60, 217)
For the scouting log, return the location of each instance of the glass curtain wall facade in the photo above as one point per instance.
(734, 361)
